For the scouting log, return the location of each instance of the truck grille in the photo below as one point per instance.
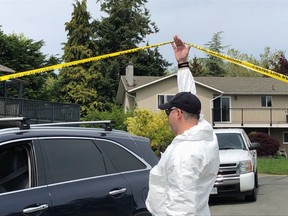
(229, 169)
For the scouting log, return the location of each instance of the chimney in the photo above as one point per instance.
(130, 74)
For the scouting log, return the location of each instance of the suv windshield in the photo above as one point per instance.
(230, 141)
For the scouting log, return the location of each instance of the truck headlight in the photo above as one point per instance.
(246, 167)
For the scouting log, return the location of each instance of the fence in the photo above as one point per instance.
(39, 111)
(251, 116)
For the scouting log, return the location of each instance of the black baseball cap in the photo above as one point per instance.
(185, 101)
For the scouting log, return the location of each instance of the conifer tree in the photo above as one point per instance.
(197, 67)
(126, 26)
(215, 65)
(78, 84)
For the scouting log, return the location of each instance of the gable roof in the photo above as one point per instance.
(144, 81)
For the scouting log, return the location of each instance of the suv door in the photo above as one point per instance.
(20, 182)
(78, 180)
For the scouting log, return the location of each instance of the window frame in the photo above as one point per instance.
(165, 99)
(141, 160)
(93, 139)
(28, 147)
(48, 168)
(284, 133)
(266, 101)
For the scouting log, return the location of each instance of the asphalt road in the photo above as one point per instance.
(272, 200)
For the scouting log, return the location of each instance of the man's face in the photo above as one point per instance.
(172, 115)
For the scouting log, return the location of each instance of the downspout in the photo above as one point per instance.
(211, 112)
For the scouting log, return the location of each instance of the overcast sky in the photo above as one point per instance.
(248, 25)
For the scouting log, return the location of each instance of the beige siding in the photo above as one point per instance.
(147, 97)
(248, 108)
(206, 95)
(278, 135)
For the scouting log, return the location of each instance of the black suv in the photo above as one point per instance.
(64, 170)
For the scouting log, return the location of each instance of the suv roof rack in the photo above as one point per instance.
(20, 122)
(106, 124)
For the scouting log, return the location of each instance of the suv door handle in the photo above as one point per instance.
(35, 209)
(116, 192)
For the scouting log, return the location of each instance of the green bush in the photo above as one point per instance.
(153, 126)
(116, 114)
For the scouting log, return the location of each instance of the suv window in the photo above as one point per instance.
(71, 159)
(117, 154)
(14, 168)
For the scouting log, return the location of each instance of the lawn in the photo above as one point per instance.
(274, 165)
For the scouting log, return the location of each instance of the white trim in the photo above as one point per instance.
(150, 83)
(157, 101)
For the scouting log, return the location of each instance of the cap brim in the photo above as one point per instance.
(165, 106)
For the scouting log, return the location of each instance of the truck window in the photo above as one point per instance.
(230, 141)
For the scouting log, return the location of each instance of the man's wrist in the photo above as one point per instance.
(183, 64)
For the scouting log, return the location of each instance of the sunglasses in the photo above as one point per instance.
(168, 111)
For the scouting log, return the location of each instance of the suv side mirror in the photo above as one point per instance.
(254, 146)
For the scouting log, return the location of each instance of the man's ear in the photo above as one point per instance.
(179, 113)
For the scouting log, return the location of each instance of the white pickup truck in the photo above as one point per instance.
(238, 165)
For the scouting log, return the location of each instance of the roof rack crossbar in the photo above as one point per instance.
(106, 124)
(20, 122)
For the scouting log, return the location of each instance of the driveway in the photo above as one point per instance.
(272, 200)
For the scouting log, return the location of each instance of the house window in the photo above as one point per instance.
(285, 137)
(266, 101)
(164, 99)
(221, 110)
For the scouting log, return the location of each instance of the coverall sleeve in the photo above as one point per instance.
(185, 81)
(181, 171)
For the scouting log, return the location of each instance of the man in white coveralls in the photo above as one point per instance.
(181, 182)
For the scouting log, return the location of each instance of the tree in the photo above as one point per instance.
(215, 65)
(126, 25)
(79, 83)
(234, 70)
(197, 68)
(274, 61)
(281, 64)
(21, 54)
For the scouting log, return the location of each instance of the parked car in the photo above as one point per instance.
(71, 170)
(238, 165)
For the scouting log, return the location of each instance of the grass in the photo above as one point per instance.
(273, 165)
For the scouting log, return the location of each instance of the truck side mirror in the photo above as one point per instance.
(254, 146)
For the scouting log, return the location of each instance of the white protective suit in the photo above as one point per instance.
(181, 182)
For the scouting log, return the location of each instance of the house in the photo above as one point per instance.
(251, 103)
(15, 83)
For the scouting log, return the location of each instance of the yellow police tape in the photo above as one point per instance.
(248, 65)
(58, 66)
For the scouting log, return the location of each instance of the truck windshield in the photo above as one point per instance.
(230, 141)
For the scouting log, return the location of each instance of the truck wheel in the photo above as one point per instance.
(252, 197)
(256, 180)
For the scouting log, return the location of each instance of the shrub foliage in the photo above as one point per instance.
(269, 145)
(153, 126)
(116, 114)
